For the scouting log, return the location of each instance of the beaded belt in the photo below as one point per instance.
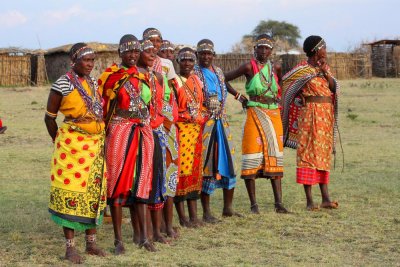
(263, 99)
(132, 114)
(318, 99)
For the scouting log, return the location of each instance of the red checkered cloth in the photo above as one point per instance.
(309, 176)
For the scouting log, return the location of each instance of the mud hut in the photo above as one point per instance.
(58, 62)
(385, 58)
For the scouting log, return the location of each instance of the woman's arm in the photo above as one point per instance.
(53, 105)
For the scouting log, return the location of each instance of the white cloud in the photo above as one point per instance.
(12, 18)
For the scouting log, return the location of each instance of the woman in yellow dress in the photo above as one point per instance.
(78, 175)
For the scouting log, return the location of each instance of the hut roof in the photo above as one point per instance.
(20, 51)
(98, 47)
(390, 42)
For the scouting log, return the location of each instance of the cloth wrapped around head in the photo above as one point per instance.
(264, 40)
(79, 50)
(128, 42)
(146, 44)
(186, 53)
(150, 33)
(205, 45)
(312, 44)
(167, 45)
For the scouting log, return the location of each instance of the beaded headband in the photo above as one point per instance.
(152, 33)
(81, 52)
(205, 47)
(166, 45)
(146, 44)
(128, 46)
(318, 46)
(265, 42)
(186, 55)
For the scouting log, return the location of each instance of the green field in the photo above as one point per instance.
(365, 230)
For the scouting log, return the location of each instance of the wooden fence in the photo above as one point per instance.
(343, 65)
(15, 70)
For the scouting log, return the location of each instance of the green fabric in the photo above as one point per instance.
(255, 87)
(167, 92)
(145, 93)
(75, 225)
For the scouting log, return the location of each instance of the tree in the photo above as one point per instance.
(279, 30)
(284, 34)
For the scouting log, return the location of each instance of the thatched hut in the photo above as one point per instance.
(58, 62)
(21, 67)
(385, 58)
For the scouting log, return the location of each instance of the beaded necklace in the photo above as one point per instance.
(193, 103)
(267, 83)
(222, 86)
(154, 95)
(92, 103)
(136, 103)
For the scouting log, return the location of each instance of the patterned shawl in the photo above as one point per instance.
(292, 84)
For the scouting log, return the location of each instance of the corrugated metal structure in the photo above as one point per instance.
(385, 58)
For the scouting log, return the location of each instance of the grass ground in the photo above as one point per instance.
(365, 230)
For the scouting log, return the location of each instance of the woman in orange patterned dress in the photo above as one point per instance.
(312, 90)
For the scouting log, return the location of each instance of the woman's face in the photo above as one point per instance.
(147, 57)
(321, 53)
(263, 52)
(186, 66)
(157, 42)
(84, 65)
(130, 58)
(166, 53)
(205, 58)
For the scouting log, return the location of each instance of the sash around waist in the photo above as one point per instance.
(263, 99)
(318, 99)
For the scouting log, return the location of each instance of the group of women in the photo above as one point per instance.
(146, 138)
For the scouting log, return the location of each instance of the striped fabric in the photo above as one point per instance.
(63, 86)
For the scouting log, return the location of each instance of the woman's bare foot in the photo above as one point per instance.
(184, 222)
(196, 223)
(173, 232)
(92, 249)
(279, 208)
(330, 205)
(254, 209)
(147, 245)
(160, 239)
(210, 219)
(230, 213)
(312, 207)
(73, 256)
(119, 247)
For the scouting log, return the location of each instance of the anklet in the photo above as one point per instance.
(254, 205)
(90, 238)
(70, 243)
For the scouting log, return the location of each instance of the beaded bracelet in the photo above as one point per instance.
(51, 115)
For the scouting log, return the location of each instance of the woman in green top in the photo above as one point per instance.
(262, 147)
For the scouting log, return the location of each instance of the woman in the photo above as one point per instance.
(167, 50)
(309, 119)
(262, 147)
(167, 132)
(218, 161)
(78, 178)
(158, 191)
(190, 124)
(129, 142)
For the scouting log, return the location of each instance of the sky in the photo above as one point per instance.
(45, 24)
